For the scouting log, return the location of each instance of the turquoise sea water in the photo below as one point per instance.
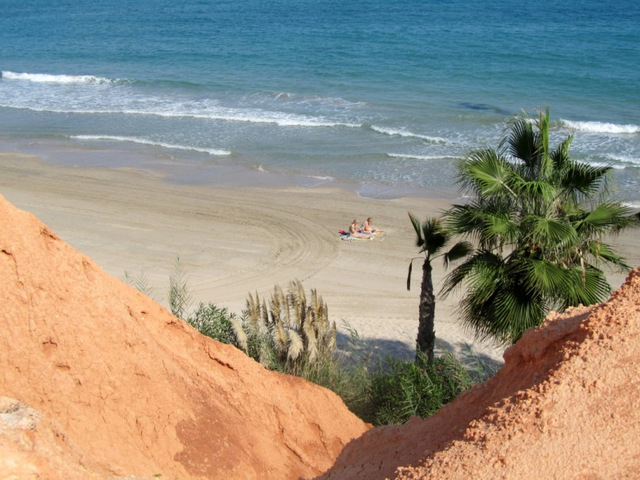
(380, 95)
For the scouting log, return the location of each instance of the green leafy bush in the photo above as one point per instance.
(214, 322)
(406, 388)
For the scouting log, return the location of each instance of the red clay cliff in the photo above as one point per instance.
(99, 381)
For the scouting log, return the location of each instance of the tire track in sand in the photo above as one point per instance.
(296, 249)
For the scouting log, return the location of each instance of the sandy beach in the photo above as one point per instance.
(232, 242)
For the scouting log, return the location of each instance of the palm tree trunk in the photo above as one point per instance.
(426, 340)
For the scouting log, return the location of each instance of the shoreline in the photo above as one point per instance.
(191, 169)
(236, 241)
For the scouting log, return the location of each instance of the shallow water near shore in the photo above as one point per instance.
(376, 96)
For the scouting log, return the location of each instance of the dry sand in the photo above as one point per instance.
(232, 242)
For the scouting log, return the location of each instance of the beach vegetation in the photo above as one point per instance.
(215, 322)
(140, 283)
(539, 222)
(415, 388)
(290, 332)
(179, 296)
(431, 239)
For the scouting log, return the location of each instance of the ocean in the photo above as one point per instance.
(379, 96)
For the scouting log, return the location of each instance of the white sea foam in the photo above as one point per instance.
(47, 78)
(237, 115)
(423, 157)
(221, 114)
(324, 178)
(39, 92)
(403, 133)
(632, 205)
(318, 180)
(600, 127)
(623, 160)
(143, 141)
(615, 166)
(314, 100)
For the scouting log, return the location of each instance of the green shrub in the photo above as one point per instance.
(214, 322)
(415, 388)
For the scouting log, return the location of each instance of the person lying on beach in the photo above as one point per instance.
(354, 231)
(368, 228)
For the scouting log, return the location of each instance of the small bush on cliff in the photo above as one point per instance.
(214, 322)
(179, 297)
(415, 388)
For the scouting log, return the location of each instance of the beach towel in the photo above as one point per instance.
(346, 236)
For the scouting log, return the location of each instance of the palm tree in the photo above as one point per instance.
(539, 221)
(431, 238)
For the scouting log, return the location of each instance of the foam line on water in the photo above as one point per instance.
(49, 78)
(143, 141)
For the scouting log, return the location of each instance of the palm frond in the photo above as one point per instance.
(549, 233)
(545, 165)
(588, 287)
(583, 179)
(487, 173)
(603, 252)
(514, 313)
(409, 275)
(539, 190)
(482, 267)
(418, 228)
(464, 219)
(458, 251)
(521, 142)
(546, 277)
(560, 155)
(498, 228)
(609, 214)
(435, 235)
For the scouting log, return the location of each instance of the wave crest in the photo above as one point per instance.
(403, 133)
(423, 157)
(61, 79)
(600, 127)
(143, 141)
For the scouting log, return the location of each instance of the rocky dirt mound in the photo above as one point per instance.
(565, 405)
(99, 381)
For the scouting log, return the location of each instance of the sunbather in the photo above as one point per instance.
(354, 231)
(368, 228)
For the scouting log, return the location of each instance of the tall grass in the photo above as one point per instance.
(289, 332)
